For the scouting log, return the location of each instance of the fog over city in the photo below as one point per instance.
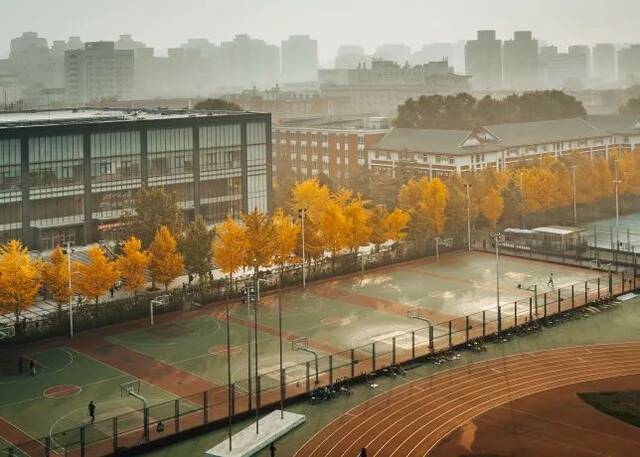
(164, 24)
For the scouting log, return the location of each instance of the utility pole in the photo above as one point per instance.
(302, 213)
(70, 290)
(575, 208)
(467, 186)
(617, 182)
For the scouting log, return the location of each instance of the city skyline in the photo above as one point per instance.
(163, 28)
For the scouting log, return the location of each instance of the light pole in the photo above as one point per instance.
(255, 341)
(575, 208)
(617, 182)
(229, 392)
(497, 239)
(247, 293)
(522, 198)
(69, 251)
(302, 213)
(280, 261)
(467, 186)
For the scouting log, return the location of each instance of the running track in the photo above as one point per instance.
(412, 419)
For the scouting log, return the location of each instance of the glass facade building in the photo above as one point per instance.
(70, 175)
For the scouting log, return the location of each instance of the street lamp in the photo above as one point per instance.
(467, 186)
(302, 213)
(575, 208)
(617, 181)
(497, 239)
(69, 252)
(279, 261)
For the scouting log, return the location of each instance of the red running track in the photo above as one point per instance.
(412, 419)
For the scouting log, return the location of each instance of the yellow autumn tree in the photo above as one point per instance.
(287, 233)
(378, 221)
(55, 275)
(94, 279)
(20, 278)
(229, 247)
(426, 201)
(629, 173)
(357, 229)
(261, 240)
(395, 224)
(132, 263)
(309, 195)
(332, 229)
(166, 263)
(492, 206)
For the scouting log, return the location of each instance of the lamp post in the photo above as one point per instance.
(616, 181)
(255, 341)
(279, 260)
(575, 207)
(467, 186)
(69, 251)
(229, 392)
(302, 213)
(497, 239)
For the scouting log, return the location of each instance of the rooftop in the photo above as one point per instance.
(527, 133)
(90, 115)
(429, 140)
(616, 124)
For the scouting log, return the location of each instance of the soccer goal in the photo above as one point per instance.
(302, 344)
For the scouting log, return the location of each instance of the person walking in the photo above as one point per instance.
(363, 452)
(272, 450)
(92, 411)
(550, 282)
(32, 367)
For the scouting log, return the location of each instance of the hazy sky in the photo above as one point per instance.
(167, 23)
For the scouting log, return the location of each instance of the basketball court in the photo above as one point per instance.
(186, 354)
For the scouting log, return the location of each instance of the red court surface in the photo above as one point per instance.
(413, 419)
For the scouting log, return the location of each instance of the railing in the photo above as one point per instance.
(207, 410)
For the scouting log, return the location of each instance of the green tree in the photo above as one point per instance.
(153, 207)
(196, 247)
(217, 104)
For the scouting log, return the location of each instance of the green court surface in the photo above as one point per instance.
(334, 315)
(56, 398)
(616, 325)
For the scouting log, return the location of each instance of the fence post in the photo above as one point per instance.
(545, 304)
(530, 309)
(484, 320)
(450, 334)
(145, 419)
(258, 399)
(373, 356)
(559, 301)
(413, 345)
(393, 350)
(10, 451)
(466, 328)
(573, 296)
(610, 284)
(623, 281)
(598, 287)
(232, 395)
(47, 446)
(353, 363)
(586, 292)
(176, 414)
(82, 441)
(283, 383)
(308, 383)
(515, 313)
(114, 422)
(205, 406)
(499, 318)
(330, 369)
(430, 338)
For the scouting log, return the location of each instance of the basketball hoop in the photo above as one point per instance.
(161, 301)
(302, 344)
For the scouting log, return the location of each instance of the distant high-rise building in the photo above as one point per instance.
(98, 72)
(29, 59)
(562, 70)
(126, 42)
(520, 62)
(349, 57)
(433, 52)
(398, 53)
(483, 61)
(74, 42)
(604, 61)
(582, 50)
(299, 55)
(247, 62)
(629, 65)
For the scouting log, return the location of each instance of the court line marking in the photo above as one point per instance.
(47, 373)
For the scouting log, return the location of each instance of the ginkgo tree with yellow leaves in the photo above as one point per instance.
(131, 264)
(229, 248)
(55, 275)
(20, 278)
(93, 279)
(166, 263)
